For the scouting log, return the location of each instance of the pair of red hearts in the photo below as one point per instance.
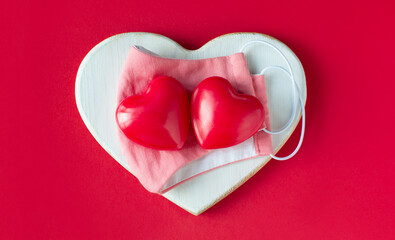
(160, 117)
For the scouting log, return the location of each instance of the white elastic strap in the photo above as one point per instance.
(293, 114)
(296, 91)
(303, 116)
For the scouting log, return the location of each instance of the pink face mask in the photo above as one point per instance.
(160, 170)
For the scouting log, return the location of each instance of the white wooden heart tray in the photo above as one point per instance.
(96, 88)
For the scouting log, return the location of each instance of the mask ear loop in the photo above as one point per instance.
(296, 92)
(293, 114)
(303, 114)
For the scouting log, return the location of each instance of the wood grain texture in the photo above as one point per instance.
(96, 88)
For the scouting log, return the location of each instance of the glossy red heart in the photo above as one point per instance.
(159, 118)
(221, 117)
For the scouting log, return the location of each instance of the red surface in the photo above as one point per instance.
(221, 117)
(158, 118)
(56, 182)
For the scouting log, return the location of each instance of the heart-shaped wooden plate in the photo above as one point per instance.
(96, 88)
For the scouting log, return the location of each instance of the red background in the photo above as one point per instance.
(56, 182)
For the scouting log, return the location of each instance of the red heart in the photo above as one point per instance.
(159, 118)
(221, 117)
